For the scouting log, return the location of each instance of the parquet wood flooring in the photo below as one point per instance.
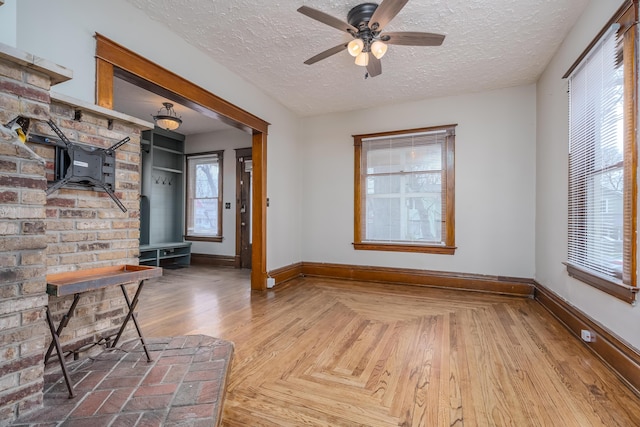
(316, 352)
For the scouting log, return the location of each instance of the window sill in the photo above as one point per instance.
(203, 239)
(396, 247)
(619, 290)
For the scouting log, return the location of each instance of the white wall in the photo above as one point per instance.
(67, 38)
(8, 19)
(494, 187)
(227, 140)
(551, 197)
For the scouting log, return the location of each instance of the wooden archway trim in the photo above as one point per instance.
(112, 58)
(125, 59)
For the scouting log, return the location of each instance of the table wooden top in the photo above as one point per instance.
(74, 282)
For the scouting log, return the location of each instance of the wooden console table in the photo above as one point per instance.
(77, 282)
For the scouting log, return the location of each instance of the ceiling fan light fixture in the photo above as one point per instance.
(355, 47)
(167, 117)
(378, 49)
(362, 59)
(365, 25)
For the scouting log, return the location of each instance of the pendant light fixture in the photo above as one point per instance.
(167, 117)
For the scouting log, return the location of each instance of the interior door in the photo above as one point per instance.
(244, 181)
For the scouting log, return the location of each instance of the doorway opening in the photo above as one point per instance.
(114, 60)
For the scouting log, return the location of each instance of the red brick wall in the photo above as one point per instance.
(22, 246)
(86, 229)
(22, 277)
(72, 229)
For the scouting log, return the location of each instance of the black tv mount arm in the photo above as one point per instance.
(82, 165)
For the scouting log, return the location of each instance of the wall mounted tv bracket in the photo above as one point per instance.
(81, 164)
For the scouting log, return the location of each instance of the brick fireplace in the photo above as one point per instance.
(72, 229)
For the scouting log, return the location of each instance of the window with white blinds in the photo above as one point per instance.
(601, 226)
(596, 160)
(405, 190)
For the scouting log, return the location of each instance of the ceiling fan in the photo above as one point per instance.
(365, 23)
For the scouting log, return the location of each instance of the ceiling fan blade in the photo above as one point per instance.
(374, 68)
(327, 53)
(413, 38)
(327, 19)
(387, 10)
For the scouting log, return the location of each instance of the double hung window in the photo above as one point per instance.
(404, 190)
(602, 160)
(204, 197)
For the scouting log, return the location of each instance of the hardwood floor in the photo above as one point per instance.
(332, 353)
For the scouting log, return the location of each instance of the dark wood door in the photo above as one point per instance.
(244, 168)
(245, 218)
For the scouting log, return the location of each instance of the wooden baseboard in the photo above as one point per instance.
(286, 273)
(405, 276)
(613, 351)
(462, 281)
(215, 260)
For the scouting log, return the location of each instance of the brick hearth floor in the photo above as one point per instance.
(183, 386)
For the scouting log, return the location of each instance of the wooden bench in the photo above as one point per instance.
(177, 252)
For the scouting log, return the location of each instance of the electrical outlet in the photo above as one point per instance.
(587, 336)
(271, 282)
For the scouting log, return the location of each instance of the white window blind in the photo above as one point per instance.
(404, 188)
(596, 160)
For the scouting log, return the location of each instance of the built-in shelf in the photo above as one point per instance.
(162, 200)
(160, 168)
(168, 150)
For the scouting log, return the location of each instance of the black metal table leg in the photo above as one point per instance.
(131, 315)
(56, 343)
(63, 323)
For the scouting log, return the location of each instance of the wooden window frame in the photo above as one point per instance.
(627, 17)
(448, 247)
(218, 237)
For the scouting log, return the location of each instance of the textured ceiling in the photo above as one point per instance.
(489, 44)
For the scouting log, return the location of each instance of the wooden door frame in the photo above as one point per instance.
(114, 60)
